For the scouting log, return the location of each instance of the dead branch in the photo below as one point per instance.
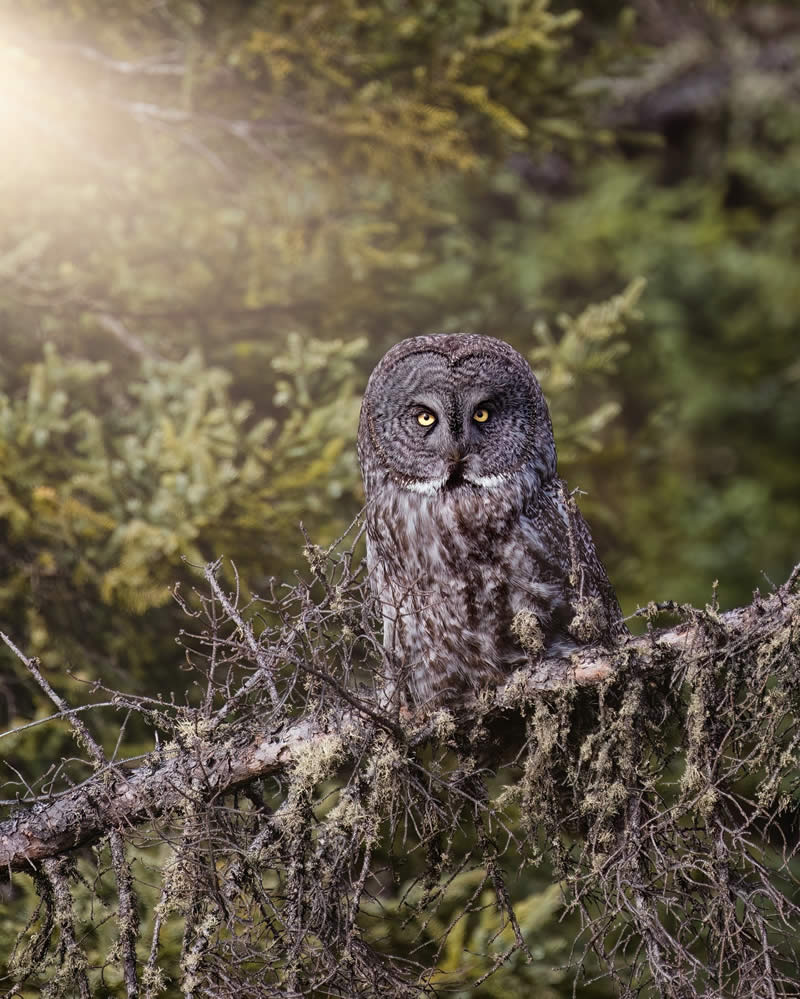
(119, 798)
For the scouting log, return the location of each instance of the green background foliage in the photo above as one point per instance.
(214, 218)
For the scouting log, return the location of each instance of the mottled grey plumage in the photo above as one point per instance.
(476, 552)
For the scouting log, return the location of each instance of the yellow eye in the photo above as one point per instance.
(480, 415)
(426, 419)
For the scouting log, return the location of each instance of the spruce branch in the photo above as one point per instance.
(242, 752)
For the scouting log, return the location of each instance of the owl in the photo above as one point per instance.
(476, 552)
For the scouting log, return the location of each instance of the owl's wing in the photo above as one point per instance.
(594, 613)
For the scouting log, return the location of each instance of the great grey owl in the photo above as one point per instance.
(476, 552)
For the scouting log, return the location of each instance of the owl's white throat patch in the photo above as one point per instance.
(486, 481)
(426, 486)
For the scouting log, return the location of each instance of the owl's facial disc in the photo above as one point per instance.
(444, 425)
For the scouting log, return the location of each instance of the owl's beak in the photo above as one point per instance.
(456, 458)
(457, 455)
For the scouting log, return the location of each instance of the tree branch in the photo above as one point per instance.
(204, 771)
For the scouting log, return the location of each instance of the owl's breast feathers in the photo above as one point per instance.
(476, 582)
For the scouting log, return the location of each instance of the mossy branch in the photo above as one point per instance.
(239, 752)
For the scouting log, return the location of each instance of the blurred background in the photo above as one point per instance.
(215, 218)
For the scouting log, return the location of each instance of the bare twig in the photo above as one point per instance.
(128, 918)
(128, 339)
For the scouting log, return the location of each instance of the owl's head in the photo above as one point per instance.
(448, 410)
